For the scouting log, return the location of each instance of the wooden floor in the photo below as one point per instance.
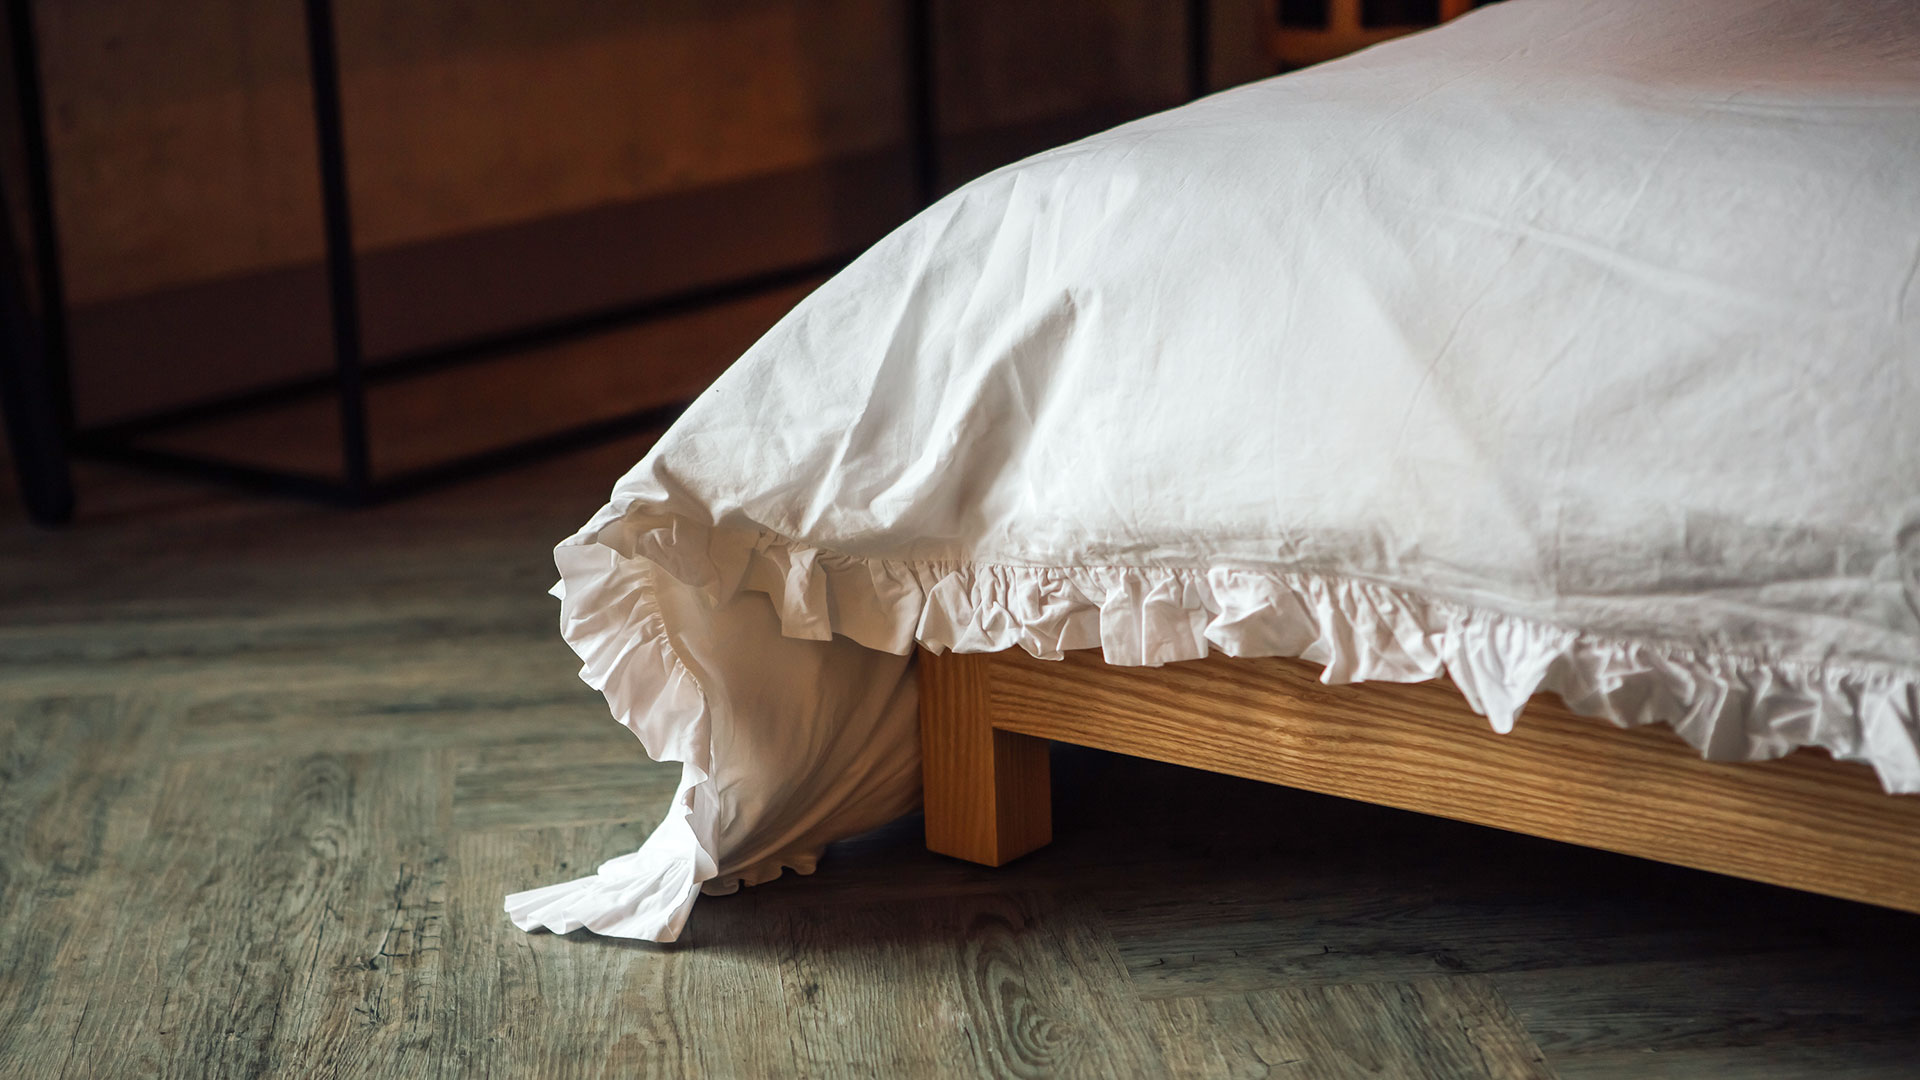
(266, 770)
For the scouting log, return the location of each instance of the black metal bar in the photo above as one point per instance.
(254, 477)
(558, 442)
(327, 489)
(343, 290)
(592, 323)
(923, 116)
(88, 441)
(353, 373)
(50, 283)
(34, 431)
(1199, 48)
(426, 361)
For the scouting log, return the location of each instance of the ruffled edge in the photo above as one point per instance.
(611, 617)
(1727, 706)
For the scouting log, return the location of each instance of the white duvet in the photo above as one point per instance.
(1572, 346)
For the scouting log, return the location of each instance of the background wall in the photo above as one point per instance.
(182, 133)
(184, 151)
(514, 162)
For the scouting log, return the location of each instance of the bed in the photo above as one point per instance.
(1514, 422)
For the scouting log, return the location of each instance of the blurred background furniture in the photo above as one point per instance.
(34, 395)
(350, 248)
(538, 228)
(1311, 31)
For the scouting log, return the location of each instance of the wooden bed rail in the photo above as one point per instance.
(1805, 821)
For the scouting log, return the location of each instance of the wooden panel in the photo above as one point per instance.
(988, 796)
(1806, 821)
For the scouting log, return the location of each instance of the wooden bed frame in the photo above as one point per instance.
(1805, 821)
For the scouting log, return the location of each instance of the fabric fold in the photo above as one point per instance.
(609, 614)
(1450, 357)
(1727, 706)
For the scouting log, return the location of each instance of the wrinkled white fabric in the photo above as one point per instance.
(1569, 347)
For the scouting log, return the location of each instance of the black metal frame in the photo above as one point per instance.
(33, 368)
(43, 410)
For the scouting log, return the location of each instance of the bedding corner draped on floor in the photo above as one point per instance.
(1570, 346)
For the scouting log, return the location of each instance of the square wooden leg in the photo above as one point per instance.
(988, 793)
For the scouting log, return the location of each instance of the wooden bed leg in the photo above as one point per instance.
(988, 793)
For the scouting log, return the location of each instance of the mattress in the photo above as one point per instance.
(1570, 347)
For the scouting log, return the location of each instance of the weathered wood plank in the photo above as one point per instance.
(1453, 907)
(283, 916)
(78, 779)
(1808, 998)
(372, 657)
(981, 985)
(1430, 1028)
(540, 1005)
(573, 781)
(486, 692)
(1835, 1061)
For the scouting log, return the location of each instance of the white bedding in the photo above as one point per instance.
(1571, 346)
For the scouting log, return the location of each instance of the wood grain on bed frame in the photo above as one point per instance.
(1805, 821)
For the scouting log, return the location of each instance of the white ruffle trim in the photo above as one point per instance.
(1728, 706)
(609, 614)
